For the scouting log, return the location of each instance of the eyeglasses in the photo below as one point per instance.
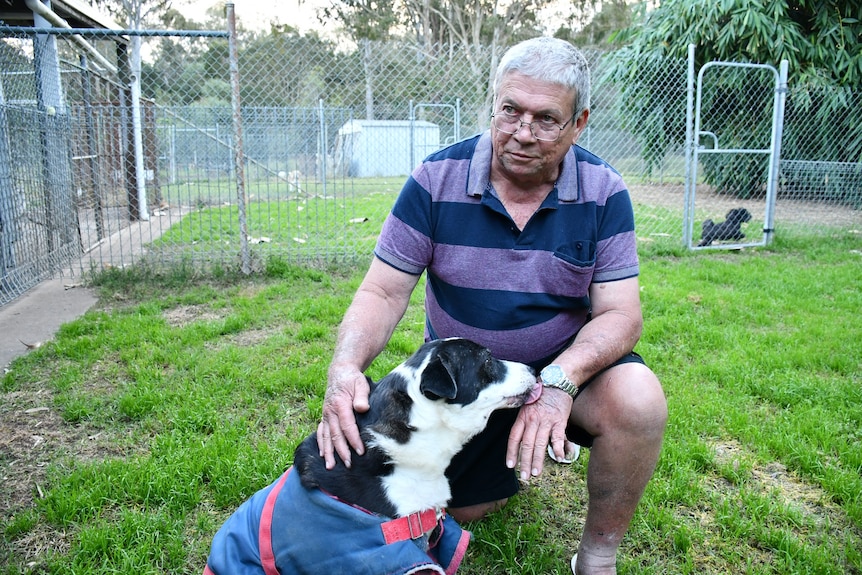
(542, 130)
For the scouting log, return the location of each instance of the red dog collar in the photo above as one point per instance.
(411, 526)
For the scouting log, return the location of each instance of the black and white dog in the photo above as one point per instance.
(729, 229)
(385, 513)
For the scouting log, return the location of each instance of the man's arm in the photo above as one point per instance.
(612, 332)
(377, 307)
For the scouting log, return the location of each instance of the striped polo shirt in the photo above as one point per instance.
(522, 294)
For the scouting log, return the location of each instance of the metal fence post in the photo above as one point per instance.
(321, 114)
(688, 212)
(778, 130)
(242, 198)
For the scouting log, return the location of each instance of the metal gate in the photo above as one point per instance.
(733, 153)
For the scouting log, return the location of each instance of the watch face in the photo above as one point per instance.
(552, 374)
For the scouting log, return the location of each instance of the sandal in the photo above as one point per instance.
(573, 451)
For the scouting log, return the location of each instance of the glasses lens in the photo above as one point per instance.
(546, 133)
(507, 123)
(510, 124)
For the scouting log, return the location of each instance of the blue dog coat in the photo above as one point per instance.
(287, 529)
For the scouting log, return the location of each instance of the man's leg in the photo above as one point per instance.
(624, 408)
(475, 512)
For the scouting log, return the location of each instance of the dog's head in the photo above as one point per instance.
(455, 385)
(738, 215)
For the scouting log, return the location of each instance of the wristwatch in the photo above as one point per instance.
(554, 376)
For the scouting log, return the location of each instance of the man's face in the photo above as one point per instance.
(520, 156)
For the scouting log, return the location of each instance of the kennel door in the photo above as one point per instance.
(733, 159)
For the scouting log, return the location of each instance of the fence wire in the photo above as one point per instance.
(329, 135)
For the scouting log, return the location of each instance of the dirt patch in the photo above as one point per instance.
(707, 201)
(186, 314)
(33, 436)
(809, 499)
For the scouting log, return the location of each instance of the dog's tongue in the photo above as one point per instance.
(535, 394)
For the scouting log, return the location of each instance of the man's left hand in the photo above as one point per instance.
(537, 425)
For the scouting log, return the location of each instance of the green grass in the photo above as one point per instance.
(182, 394)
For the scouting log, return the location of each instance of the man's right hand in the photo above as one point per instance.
(346, 392)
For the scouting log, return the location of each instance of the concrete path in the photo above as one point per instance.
(35, 317)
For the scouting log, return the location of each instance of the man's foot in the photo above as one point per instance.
(609, 569)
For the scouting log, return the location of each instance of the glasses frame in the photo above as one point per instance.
(522, 123)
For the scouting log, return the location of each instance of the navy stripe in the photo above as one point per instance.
(462, 224)
(498, 310)
(412, 207)
(623, 221)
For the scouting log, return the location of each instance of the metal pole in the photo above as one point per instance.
(774, 166)
(412, 119)
(321, 113)
(138, 131)
(242, 198)
(689, 151)
(458, 119)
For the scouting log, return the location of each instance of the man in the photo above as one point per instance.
(529, 246)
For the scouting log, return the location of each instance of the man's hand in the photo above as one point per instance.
(347, 392)
(537, 425)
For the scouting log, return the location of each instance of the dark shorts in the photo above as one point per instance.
(478, 474)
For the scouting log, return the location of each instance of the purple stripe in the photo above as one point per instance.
(621, 251)
(510, 270)
(412, 246)
(450, 169)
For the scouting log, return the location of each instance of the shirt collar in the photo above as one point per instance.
(478, 177)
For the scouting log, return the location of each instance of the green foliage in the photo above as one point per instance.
(586, 27)
(819, 40)
(364, 19)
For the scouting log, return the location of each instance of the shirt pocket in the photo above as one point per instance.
(580, 254)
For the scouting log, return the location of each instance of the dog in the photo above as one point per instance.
(729, 229)
(386, 512)
(292, 178)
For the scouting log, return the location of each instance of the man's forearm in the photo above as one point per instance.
(602, 341)
(366, 328)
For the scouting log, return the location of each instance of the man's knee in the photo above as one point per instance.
(631, 397)
(643, 400)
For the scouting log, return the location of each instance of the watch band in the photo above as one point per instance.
(561, 381)
(566, 385)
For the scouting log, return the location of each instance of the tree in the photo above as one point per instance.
(475, 30)
(585, 27)
(820, 40)
(365, 21)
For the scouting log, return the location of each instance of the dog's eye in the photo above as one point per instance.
(490, 368)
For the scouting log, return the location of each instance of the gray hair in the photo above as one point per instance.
(549, 60)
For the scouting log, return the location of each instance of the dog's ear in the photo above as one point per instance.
(438, 379)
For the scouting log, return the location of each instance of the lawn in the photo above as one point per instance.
(126, 441)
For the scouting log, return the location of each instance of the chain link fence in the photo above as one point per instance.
(327, 135)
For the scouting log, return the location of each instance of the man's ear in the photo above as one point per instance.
(438, 380)
(580, 124)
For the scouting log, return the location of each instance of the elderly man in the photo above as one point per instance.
(528, 243)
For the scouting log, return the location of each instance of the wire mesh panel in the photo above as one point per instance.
(328, 133)
(734, 130)
(821, 165)
(38, 218)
